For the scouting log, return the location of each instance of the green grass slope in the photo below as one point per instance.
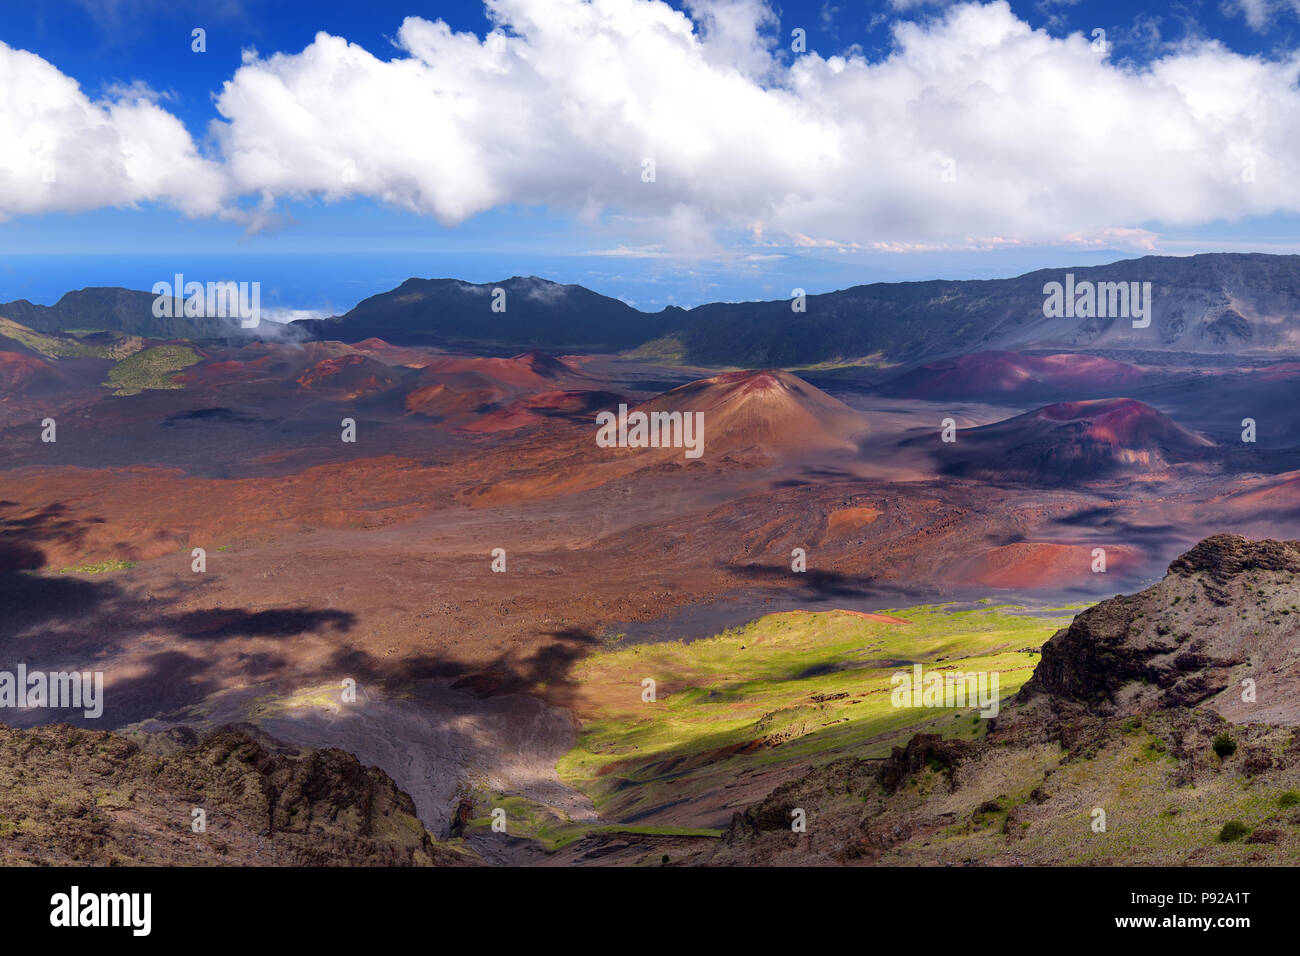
(787, 690)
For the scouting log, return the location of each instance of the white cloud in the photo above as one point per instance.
(1259, 13)
(59, 151)
(736, 33)
(914, 4)
(976, 131)
(136, 90)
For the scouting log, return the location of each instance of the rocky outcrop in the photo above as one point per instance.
(1225, 618)
(922, 750)
(1174, 711)
(1220, 559)
(72, 796)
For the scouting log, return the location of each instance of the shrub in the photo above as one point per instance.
(1288, 799)
(1224, 745)
(1233, 830)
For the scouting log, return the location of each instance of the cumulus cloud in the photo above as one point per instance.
(975, 131)
(59, 151)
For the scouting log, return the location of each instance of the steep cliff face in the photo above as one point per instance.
(71, 796)
(1221, 627)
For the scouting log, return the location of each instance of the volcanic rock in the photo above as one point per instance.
(1223, 615)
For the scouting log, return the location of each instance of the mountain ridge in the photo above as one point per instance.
(1208, 304)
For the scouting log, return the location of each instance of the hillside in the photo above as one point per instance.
(1216, 303)
(24, 375)
(1134, 743)
(1072, 441)
(982, 374)
(70, 796)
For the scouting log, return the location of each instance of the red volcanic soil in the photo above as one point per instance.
(548, 366)
(1037, 564)
(574, 405)
(1124, 423)
(750, 419)
(526, 371)
(772, 410)
(223, 371)
(1075, 441)
(393, 354)
(442, 401)
(1272, 494)
(140, 513)
(983, 374)
(844, 522)
(351, 375)
(23, 373)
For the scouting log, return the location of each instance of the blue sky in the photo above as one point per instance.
(776, 173)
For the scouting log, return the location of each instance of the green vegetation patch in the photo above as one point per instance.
(150, 369)
(321, 697)
(1224, 745)
(797, 687)
(529, 820)
(667, 350)
(69, 345)
(1152, 814)
(1233, 830)
(101, 567)
(876, 360)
